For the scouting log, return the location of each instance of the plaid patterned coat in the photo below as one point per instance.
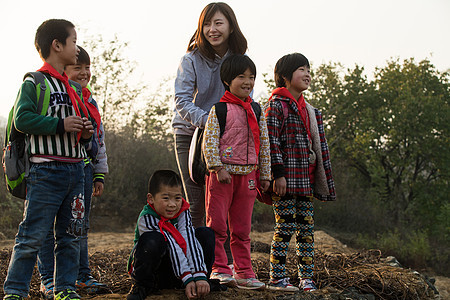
(289, 150)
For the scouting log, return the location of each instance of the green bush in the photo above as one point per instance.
(411, 249)
(262, 218)
(11, 211)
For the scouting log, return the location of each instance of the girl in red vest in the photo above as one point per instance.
(233, 157)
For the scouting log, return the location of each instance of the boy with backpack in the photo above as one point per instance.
(55, 185)
(94, 174)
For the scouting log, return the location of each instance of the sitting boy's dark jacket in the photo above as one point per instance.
(185, 251)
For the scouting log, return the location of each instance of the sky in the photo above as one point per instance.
(364, 32)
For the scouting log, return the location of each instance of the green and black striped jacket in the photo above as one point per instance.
(48, 138)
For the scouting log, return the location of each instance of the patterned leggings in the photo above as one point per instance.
(293, 215)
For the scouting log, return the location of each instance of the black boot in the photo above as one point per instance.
(137, 292)
(215, 286)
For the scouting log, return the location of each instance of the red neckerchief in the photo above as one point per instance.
(93, 111)
(252, 121)
(301, 105)
(165, 224)
(76, 101)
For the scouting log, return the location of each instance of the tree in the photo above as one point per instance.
(155, 119)
(393, 131)
(116, 96)
(412, 138)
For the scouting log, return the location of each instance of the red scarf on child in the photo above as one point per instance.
(251, 117)
(164, 224)
(301, 105)
(93, 111)
(76, 101)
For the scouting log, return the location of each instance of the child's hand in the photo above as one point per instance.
(197, 289)
(190, 290)
(88, 128)
(73, 124)
(98, 189)
(279, 186)
(265, 185)
(223, 176)
(202, 288)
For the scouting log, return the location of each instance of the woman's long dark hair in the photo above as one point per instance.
(237, 43)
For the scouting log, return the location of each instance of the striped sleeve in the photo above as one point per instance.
(194, 253)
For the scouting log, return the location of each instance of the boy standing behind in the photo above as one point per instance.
(55, 186)
(94, 174)
(96, 164)
(168, 251)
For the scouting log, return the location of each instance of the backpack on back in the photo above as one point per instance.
(15, 160)
(196, 161)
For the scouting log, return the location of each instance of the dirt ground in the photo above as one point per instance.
(109, 250)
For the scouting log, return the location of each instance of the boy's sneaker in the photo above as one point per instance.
(90, 284)
(307, 284)
(46, 289)
(13, 297)
(281, 285)
(67, 295)
(250, 284)
(225, 279)
(137, 292)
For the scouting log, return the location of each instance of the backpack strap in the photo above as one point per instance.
(43, 94)
(257, 110)
(43, 99)
(77, 87)
(221, 113)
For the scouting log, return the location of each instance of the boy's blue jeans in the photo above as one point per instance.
(46, 259)
(55, 195)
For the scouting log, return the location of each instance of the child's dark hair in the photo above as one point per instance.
(287, 65)
(237, 43)
(233, 66)
(83, 57)
(163, 177)
(53, 29)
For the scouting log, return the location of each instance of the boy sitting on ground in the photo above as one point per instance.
(168, 251)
